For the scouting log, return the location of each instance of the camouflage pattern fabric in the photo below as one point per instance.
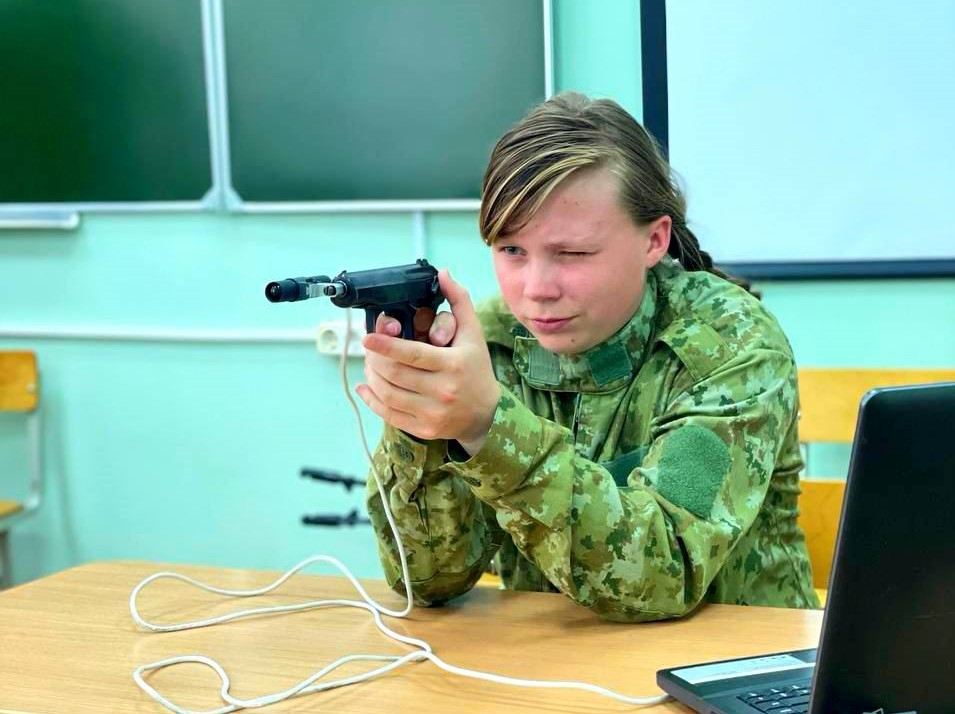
(644, 476)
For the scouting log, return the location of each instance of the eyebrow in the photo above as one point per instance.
(583, 243)
(556, 244)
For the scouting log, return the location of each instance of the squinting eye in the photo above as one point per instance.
(574, 253)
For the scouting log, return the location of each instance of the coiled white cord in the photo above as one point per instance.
(313, 683)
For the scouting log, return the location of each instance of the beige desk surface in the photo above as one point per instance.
(69, 646)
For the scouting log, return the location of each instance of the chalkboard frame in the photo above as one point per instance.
(233, 202)
(65, 215)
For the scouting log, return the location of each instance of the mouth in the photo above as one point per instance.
(549, 325)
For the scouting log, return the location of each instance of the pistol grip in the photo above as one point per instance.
(402, 313)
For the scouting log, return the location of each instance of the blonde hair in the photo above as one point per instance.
(570, 132)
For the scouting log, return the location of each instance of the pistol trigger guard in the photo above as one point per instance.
(402, 313)
(371, 317)
(405, 315)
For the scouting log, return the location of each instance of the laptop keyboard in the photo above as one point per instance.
(789, 699)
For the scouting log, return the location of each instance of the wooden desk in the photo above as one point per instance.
(69, 646)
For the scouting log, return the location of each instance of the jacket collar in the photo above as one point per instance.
(602, 368)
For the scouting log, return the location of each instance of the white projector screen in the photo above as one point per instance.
(815, 134)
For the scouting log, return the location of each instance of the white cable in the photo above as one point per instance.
(310, 684)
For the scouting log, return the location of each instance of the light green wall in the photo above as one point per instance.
(183, 452)
(597, 48)
(865, 323)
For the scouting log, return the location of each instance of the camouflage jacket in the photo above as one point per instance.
(641, 477)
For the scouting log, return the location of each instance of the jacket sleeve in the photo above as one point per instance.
(649, 550)
(448, 534)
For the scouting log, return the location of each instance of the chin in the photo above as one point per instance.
(560, 344)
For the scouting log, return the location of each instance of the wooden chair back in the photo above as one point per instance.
(829, 398)
(820, 506)
(19, 383)
(20, 392)
(829, 407)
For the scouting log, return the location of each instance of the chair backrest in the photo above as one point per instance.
(828, 409)
(820, 506)
(20, 392)
(19, 383)
(829, 398)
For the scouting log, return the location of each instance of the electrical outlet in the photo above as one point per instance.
(330, 338)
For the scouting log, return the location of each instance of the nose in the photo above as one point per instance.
(541, 281)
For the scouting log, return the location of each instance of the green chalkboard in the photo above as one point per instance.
(332, 100)
(102, 101)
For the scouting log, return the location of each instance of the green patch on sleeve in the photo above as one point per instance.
(692, 466)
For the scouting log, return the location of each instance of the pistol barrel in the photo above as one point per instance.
(294, 289)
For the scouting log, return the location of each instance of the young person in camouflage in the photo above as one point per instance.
(619, 425)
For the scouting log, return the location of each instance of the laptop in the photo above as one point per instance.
(888, 634)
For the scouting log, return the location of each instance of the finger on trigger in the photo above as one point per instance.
(386, 325)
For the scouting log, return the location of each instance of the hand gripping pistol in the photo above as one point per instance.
(398, 292)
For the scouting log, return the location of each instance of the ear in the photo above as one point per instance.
(659, 239)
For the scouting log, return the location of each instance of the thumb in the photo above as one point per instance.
(460, 301)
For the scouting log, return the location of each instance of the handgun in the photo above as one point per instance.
(398, 292)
